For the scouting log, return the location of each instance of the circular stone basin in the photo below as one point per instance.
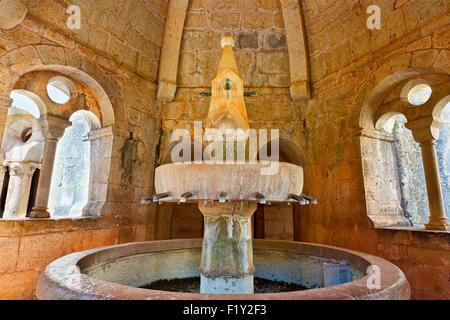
(119, 272)
(275, 180)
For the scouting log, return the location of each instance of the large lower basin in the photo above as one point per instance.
(118, 272)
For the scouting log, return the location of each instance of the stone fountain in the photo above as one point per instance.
(227, 195)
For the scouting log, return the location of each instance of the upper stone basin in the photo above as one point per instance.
(240, 182)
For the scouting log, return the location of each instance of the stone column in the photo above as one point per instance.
(56, 128)
(426, 132)
(170, 51)
(21, 175)
(227, 256)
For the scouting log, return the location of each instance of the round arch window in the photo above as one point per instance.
(59, 90)
(417, 93)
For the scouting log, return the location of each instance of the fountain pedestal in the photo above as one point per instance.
(227, 256)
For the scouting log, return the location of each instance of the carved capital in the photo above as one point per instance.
(425, 130)
(22, 168)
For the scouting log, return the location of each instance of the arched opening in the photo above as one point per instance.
(402, 170)
(400, 124)
(83, 175)
(69, 192)
(278, 221)
(22, 149)
(25, 101)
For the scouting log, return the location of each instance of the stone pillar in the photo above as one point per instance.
(298, 55)
(170, 51)
(56, 128)
(227, 256)
(21, 175)
(101, 142)
(426, 132)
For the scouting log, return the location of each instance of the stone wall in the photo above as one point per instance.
(117, 49)
(119, 46)
(347, 62)
(29, 246)
(382, 185)
(130, 32)
(261, 48)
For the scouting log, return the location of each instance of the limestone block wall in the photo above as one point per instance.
(347, 62)
(116, 50)
(385, 209)
(260, 36)
(128, 32)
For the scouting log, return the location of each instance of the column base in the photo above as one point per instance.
(243, 285)
(438, 227)
(40, 213)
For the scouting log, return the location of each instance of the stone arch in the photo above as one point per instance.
(36, 99)
(66, 62)
(379, 104)
(290, 151)
(375, 98)
(440, 106)
(91, 119)
(279, 222)
(167, 156)
(15, 121)
(72, 64)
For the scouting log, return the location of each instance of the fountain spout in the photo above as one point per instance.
(227, 109)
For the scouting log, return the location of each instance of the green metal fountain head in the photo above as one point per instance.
(228, 85)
